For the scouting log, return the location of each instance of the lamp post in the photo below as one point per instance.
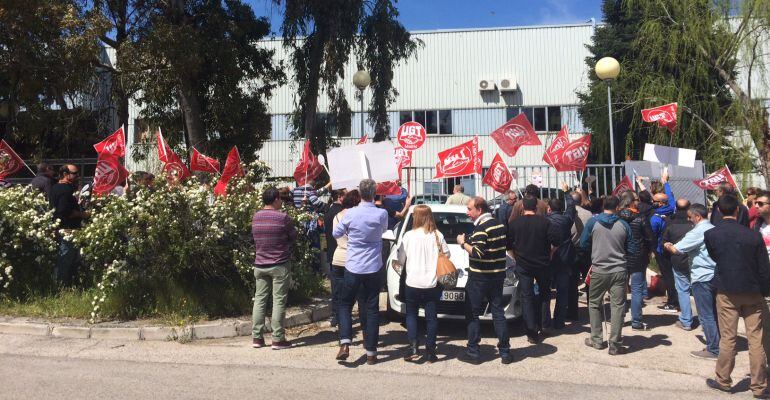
(361, 80)
(607, 69)
(5, 115)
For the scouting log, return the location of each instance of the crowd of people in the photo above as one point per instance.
(718, 256)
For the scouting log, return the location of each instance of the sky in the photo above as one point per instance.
(454, 14)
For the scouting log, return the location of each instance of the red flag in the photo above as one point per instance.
(173, 166)
(308, 168)
(114, 144)
(553, 154)
(498, 176)
(203, 163)
(164, 151)
(575, 155)
(388, 188)
(712, 181)
(664, 115)
(479, 160)
(10, 162)
(363, 139)
(460, 160)
(624, 185)
(175, 169)
(232, 168)
(109, 173)
(403, 158)
(515, 133)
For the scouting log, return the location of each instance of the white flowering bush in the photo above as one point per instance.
(167, 248)
(28, 244)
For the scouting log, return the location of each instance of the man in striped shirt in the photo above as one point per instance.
(486, 251)
(274, 234)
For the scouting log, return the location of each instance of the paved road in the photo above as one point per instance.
(658, 367)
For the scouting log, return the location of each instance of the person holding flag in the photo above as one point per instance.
(70, 215)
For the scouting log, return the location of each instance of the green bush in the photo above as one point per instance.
(172, 249)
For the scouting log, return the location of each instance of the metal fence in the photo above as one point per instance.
(420, 180)
(86, 166)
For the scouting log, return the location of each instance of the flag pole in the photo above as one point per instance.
(736, 183)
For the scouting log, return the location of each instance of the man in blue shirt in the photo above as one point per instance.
(664, 204)
(364, 226)
(701, 274)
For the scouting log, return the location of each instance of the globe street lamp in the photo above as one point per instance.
(361, 80)
(607, 69)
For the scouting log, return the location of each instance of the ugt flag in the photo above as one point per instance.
(712, 181)
(363, 139)
(232, 168)
(461, 160)
(388, 188)
(515, 133)
(173, 166)
(10, 162)
(498, 176)
(203, 163)
(665, 116)
(109, 173)
(575, 155)
(552, 155)
(309, 167)
(114, 144)
(624, 185)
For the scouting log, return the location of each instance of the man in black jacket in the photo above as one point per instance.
(741, 278)
(563, 260)
(676, 227)
(331, 244)
(531, 238)
(716, 215)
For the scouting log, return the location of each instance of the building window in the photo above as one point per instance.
(554, 119)
(445, 122)
(436, 122)
(328, 123)
(543, 119)
(404, 117)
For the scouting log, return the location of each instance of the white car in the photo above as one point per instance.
(451, 221)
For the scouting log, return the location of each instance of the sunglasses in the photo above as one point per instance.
(73, 173)
(760, 203)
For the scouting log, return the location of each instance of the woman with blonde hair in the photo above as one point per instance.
(418, 255)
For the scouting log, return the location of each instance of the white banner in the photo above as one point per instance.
(350, 164)
(669, 155)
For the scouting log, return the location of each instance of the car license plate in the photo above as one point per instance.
(452, 295)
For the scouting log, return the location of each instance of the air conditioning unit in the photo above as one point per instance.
(487, 85)
(508, 85)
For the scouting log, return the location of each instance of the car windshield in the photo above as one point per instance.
(450, 225)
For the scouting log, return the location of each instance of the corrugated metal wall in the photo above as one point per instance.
(548, 62)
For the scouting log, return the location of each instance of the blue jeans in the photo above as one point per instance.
(535, 308)
(66, 266)
(489, 287)
(371, 285)
(428, 299)
(705, 304)
(638, 280)
(682, 283)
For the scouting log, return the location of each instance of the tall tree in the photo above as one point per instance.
(322, 34)
(693, 52)
(197, 61)
(47, 76)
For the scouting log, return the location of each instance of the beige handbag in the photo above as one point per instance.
(446, 273)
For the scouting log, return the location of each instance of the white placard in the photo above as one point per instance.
(350, 164)
(669, 155)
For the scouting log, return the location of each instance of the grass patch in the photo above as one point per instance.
(68, 303)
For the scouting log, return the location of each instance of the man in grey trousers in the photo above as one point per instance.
(609, 239)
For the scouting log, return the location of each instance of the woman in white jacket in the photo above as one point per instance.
(418, 254)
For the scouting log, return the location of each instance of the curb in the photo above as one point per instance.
(318, 311)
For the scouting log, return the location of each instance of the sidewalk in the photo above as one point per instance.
(316, 310)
